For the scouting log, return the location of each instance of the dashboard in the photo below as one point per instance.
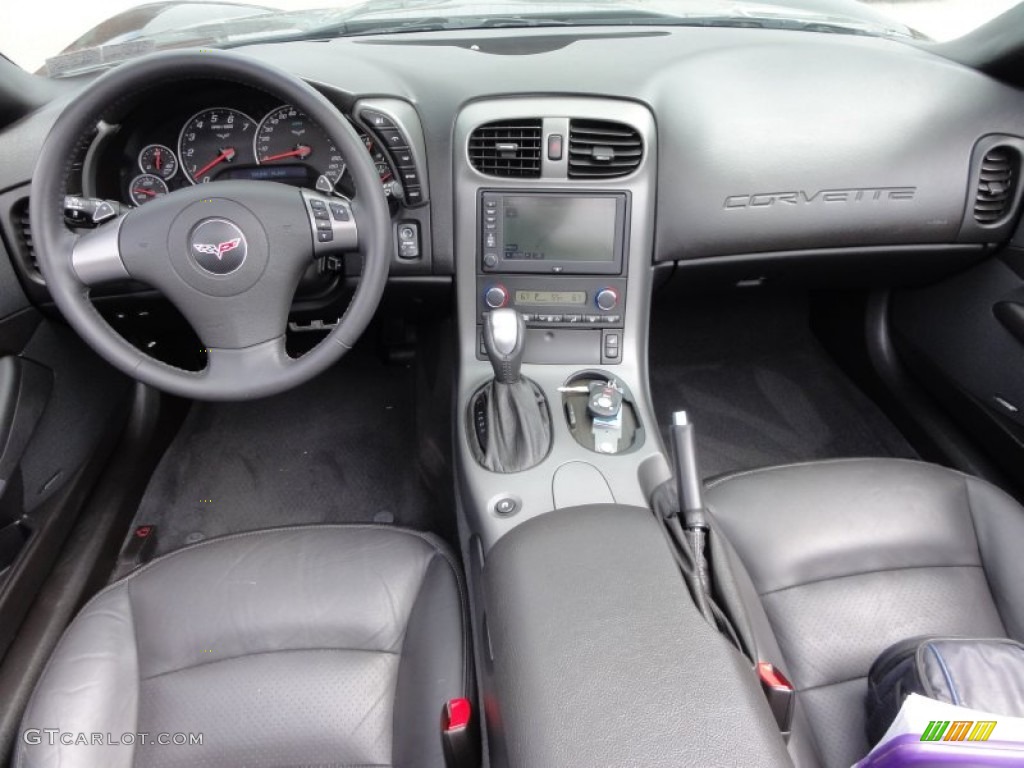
(772, 145)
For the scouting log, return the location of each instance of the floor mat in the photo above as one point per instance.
(339, 449)
(759, 387)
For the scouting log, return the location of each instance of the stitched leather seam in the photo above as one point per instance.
(202, 664)
(866, 573)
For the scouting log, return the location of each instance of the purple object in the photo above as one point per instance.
(908, 751)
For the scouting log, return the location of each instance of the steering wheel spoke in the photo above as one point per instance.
(96, 255)
(332, 223)
(234, 367)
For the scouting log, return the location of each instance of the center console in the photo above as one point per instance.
(554, 202)
(590, 648)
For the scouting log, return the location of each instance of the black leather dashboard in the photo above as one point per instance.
(769, 141)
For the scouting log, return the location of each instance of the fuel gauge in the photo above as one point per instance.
(158, 160)
(146, 187)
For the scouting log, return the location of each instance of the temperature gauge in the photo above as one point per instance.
(146, 187)
(158, 160)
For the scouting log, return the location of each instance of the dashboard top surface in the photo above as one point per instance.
(768, 140)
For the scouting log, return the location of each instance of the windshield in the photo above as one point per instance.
(42, 36)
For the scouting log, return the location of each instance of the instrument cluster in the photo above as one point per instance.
(278, 143)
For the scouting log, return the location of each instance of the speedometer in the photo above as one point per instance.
(287, 135)
(213, 139)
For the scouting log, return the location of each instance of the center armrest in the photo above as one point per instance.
(600, 658)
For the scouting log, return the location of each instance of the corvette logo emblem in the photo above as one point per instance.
(219, 249)
(218, 246)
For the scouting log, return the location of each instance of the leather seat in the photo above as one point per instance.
(314, 646)
(844, 558)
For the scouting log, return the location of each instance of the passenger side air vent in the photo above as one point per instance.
(507, 148)
(602, 149)
(1000, 174)
(23, 241)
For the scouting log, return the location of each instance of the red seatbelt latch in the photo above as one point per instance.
(458, 734)
(780, 693)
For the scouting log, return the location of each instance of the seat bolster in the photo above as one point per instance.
(90, 686)
(433, 666)
(999, 527)
(739, 597)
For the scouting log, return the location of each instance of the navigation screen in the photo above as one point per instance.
(553, 228)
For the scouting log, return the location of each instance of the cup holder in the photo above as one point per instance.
(597, 433)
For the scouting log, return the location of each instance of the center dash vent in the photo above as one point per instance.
(507, 148)
(1000, 174)
(603, 149)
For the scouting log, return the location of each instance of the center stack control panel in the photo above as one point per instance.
(558, 258)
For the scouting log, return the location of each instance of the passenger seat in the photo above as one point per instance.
(841, 559)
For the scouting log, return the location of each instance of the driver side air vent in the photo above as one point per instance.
(1000, 174)
(507, 148)
(23, 241)
(602, 149)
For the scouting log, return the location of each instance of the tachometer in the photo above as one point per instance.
(146, 187)
(158, 160)
(213, 139)
(287, 135)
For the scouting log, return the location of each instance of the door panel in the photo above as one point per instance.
(963, 339)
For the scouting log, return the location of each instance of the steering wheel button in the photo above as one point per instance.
(319, 214)
(323, 226)
(339, 212)
(324, 236)
(317, 205)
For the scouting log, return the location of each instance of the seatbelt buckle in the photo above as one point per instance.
(138, 550)
(780, 694)
(458, 734)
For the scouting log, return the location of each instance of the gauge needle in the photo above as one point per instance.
(225, 154)
(300, 151)
(158, 158)
(144, 191)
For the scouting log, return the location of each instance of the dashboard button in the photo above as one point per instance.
(490, 260)
(413, 196)
(555, 146)
(403, 157)
(606, 299)
(392, 139)
(376, 120)
(496, 296)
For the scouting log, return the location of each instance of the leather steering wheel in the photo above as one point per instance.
(228, 255)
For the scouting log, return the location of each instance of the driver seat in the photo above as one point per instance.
(314, 645)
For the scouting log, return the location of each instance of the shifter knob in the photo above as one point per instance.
(505, 342)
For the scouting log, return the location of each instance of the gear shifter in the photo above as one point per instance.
(505, 342)
(510, 413)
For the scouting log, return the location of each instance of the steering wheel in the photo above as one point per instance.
(228, 255)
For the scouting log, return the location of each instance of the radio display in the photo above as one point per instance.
(551, 297)
(557, 228)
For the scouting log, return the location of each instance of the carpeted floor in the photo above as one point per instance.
(759, 387)
(340, 449)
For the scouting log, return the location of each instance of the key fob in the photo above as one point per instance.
(605, 400)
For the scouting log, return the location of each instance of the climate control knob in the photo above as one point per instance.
(496, 296)
(606, 299)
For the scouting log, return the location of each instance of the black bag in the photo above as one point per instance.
(985, 674)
